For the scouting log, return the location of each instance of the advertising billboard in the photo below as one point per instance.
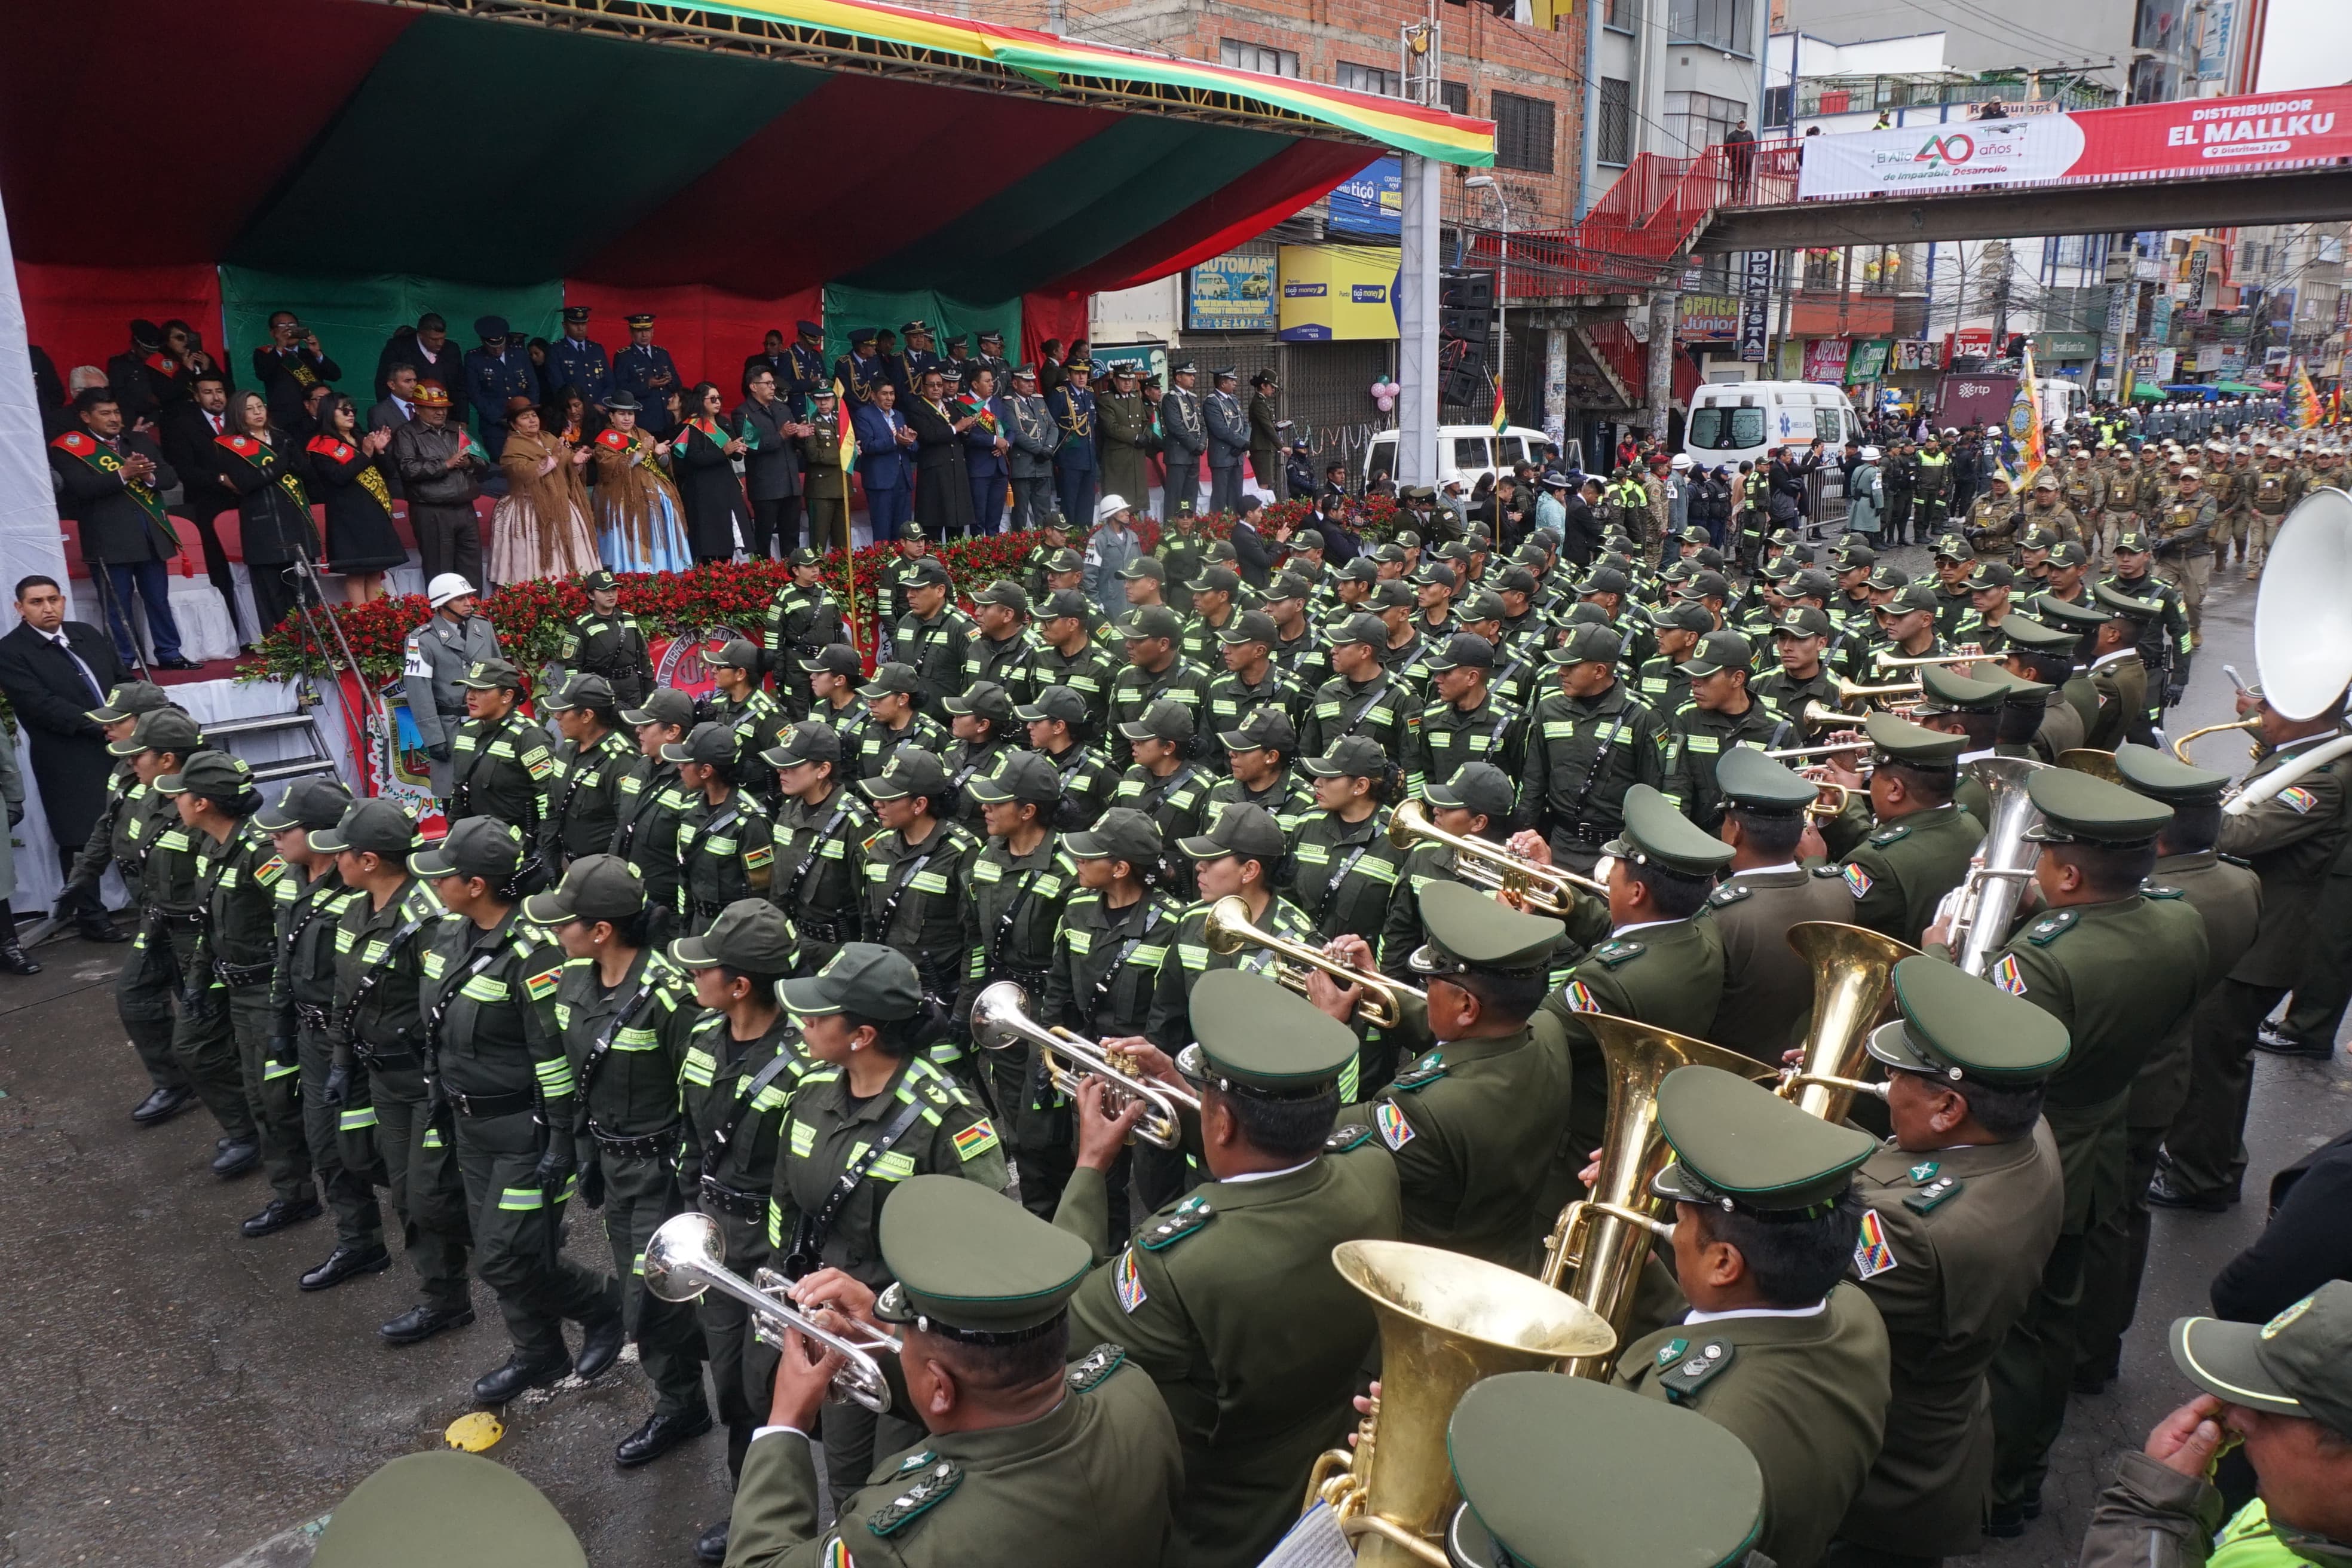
(1230, 294)
(1337, 293)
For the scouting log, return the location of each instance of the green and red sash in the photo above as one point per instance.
(304, 376)
(616, 440)
(164, 366)
(709, 428)
(264, 463)
(339, 451)
(98, 454)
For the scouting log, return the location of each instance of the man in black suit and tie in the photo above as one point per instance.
(190, 429)
(55, 671)
(112, 482)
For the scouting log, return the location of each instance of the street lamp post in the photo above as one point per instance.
(1485, 183)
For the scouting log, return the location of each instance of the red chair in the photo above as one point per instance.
(230, 528)
(75, 565)
(192, 546)
(402, 528)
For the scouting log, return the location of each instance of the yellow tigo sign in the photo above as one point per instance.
(1333, 293)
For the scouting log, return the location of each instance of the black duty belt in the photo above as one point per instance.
(822, 931)
(387, 1061)
(480, 1105)
(658, 1145)
(310, 1017)
(234, 975)
(734, 1201)
(178, 917)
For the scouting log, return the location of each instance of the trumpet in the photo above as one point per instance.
(1822, 716)
(1788, 753)
(1001, 1022)
(1967, 653)
(1488, 865)
(2251, 722)
(1849, 691)
(1822, 810)
(687, 1254)
(1229, 931)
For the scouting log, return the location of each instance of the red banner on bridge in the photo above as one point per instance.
(2183, 139)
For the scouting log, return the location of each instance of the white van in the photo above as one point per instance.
(1739, 422)
(2064, 402)
(1467, 451)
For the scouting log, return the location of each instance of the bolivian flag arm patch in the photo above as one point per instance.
(975, 1140)
(543, 986)
(1579, 997)
(2298, 799)
(1395, 1131)
(2009, 975)
(1857, 880)
(1872, 1255)
(1128, 1279)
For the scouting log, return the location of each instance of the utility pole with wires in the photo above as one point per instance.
(1418, 371)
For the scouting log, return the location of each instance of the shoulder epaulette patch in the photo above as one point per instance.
(1729, 893)
(1346, 1138)
(1613, 952)
(1932, 1194)
(2051, 927)
(1427, 1071)
(1687, 1376)
(1188, 1217)
(2162, 893)
(1089, 1370)
(924, 1492)
(1889, 835)
(1829, 870)
(916, 1461)
(2239, 860)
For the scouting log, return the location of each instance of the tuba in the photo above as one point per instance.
(2180, 747)
(2098, 763)
(1853, 975)
(2303, 640)
(1446, 1321)
(1598, 1243)
(2004, 862)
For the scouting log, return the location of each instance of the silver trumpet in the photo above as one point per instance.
(1001, 1022)
(688, 1256)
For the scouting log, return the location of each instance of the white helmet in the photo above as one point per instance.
(1110, 506)
(448, 586)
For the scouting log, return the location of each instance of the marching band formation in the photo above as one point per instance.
(1054, 1073)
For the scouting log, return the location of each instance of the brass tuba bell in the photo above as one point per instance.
(1446, 1321)
(1598, 1243)
(1853, 977)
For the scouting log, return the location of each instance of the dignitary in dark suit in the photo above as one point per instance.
(1184, 437)
(885, 460)
(1029, 427)
(495, 372)
(264, 465)
(985, 449)
(427, 346)
(577, 360)
(1072, 409)
(397, 406)
(770, 358)
(771, 462)
(1229, 435)
(187, 434)
(287, 366)
(55, 673)
(111, 483)
(648, 374)
(1253, 558)
(1265, 433)
(942, 479)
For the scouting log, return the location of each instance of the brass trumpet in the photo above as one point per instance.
(1822, 716)
(1598, 1243)
(1967, 653)
(1853, 977)
(1001, 1022)
(1849, 691)
(1229, 931)
(1446, 1321)
(2251, 722)
(687, 1254)
(1483, 864)
(1787, 754)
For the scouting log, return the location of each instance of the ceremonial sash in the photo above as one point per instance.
(99, 456)
(336, 450)
(709, 429)
(614, 440)
(302, 373)
(164, 366)
(265, 462)
(974, 408)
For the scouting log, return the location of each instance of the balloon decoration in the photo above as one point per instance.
(1384, 393)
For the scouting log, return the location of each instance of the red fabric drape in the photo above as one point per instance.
(1304, 172)
(1044, 316)
(82, 315)
(709, 331)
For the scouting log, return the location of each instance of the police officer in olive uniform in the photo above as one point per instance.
(1545, 1463)
(2118, 673)
(737, 701)
(604, 642)
(497, 1062)
(1259, 752)
(980, 1298)
(1164, 784)
(1961, 1206)
(1720, 714)
(1914, 843)
(1476, 802)
(818, 833)
(918, 871)
(726, 844)
(1069, 655)
(309, 898)
(894, 721)
(837, 706)
(871, 1113)
(2228, 896)
(625, 1013)
(1185, 1298)
(434, 660)
(803, 620)
(1155, 672)
(999, 650)
(1467, 720)
(592, 759)
(237, 871)
(1243, 856)
(2117, 966)
(651, 802)
(822, 482)
(934, 637)
(1780, 1350)
(986, 735)
(1343, 867)
(1588, 744)
(1017, 883)
(503, 765)
(2167, 646)
(742, 1061)
(378, 1083)
(1475, 1119)
(2044, 654)
(1767, 985)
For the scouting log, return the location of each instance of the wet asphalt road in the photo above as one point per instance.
(170, 1397)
